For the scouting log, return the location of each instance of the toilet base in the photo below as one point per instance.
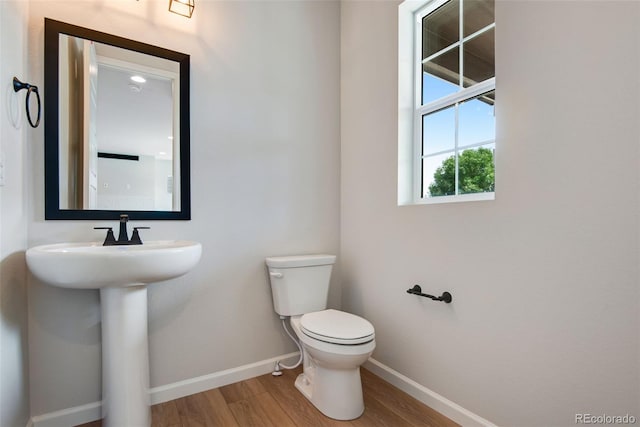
(303, 385)
(337, 393)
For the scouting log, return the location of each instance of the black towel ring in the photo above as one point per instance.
(17, 86)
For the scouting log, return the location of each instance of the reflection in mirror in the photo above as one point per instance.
(118, 135)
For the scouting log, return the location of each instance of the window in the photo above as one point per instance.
(446, 101)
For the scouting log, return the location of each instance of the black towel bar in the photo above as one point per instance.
(417, 290)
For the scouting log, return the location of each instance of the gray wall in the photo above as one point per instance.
(14, 383)
(544, 322)
(265, 181)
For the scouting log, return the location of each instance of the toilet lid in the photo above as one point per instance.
(337, 327)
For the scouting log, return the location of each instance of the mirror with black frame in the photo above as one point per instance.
(116, 127)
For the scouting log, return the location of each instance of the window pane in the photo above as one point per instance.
(441, 76)
(476, 171)
(439, 131)
(440, 28)
(439, 176)
(478, 57)
(435, 88)
(476, 120)
(477, 15)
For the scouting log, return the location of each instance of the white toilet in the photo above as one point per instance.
(334, 343)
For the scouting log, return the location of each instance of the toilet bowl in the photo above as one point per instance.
(335, 344)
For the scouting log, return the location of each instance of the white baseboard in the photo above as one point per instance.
(218, 379)
(93, 411)
(70, 416)
(430, 398)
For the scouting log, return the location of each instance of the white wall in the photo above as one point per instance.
(265, 181)
(14, 391)
(129, 183)
(544, 322)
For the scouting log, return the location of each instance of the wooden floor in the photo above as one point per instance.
(268, 401)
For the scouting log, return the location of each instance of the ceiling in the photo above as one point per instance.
(134, 118)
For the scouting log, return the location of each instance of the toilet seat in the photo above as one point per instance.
(337, 327)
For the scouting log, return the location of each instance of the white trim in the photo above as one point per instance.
(427, 6)
(471, 197)
(121, 65)
(217, 379)
(93, 411)
(465, 94)
(430, 398)
(460, 148)
(406, 99)
(412, 7)
(69, 417)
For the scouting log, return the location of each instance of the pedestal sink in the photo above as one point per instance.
(121, 273)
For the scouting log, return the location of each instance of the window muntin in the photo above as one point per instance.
(455, 102)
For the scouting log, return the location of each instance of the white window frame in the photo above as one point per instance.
(411, 110)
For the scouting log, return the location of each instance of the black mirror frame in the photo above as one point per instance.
(52, 30)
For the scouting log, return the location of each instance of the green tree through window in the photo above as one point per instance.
(476, 174)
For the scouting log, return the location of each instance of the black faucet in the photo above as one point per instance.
(123, 235)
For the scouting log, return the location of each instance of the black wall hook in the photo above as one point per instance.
(417, 290)
(18, 86)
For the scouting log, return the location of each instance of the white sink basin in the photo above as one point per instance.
(121, 273)
(93, 266)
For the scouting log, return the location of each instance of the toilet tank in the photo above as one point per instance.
(300, 284)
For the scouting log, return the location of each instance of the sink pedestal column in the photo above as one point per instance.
(125, 357)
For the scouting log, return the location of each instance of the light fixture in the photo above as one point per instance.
(138, 79)
(182, 7)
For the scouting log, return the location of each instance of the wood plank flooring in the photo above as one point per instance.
(268, 401)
